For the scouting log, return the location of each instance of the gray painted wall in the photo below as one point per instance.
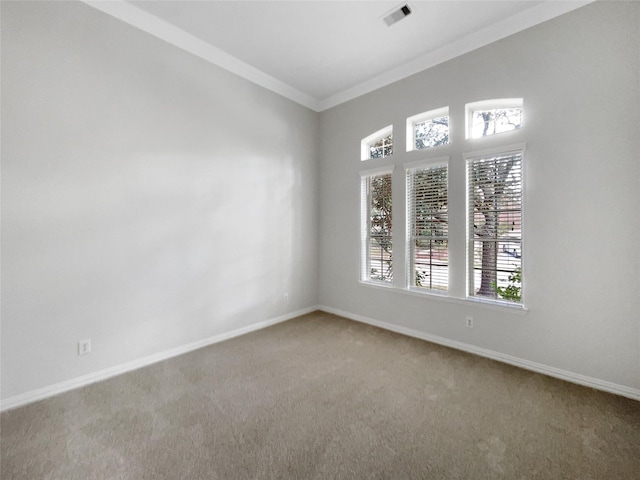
(579, 77)
(149, 199)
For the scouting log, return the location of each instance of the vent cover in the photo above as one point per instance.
(396, 14)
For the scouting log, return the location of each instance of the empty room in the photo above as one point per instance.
(320, 240)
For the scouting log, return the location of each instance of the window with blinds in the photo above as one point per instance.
(428, 222)
(377, 244)
(495, 226)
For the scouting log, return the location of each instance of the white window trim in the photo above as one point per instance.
(376, 171)
(513, 149)
(498, 150)
(427, 162)
(365, 144)
(498, 103)
(408, 167)
(364, 224)
(514, 308)
(424, 117)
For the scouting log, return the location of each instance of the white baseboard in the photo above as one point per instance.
(501, 357)
(84, 380)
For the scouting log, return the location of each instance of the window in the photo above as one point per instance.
(376, 249)
(490, 117)
(495, 225)
(378, 144)
(493, 264)
(429, 129)
(428, 226)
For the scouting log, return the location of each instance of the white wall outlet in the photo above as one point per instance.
(286, 298)
(84, 346)
(470, 322)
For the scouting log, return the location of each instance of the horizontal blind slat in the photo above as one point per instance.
(495, 221)
(428, 217)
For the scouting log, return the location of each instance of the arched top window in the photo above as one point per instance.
(428, 129)
(490, 117)
(378, 144)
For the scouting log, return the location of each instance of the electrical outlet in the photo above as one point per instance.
(286, 298)
(84, 346)
(470, 322)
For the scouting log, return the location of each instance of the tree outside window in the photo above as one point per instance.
(495, 204)
(378, 238)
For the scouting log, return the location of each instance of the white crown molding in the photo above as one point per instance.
(514, 24)
(179, 38)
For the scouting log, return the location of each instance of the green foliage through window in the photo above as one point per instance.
(513, 290)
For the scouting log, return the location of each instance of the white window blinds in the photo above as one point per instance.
(428, 227)
(495, 226)
(377, 244)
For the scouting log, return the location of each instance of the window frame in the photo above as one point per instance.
(469, 157)
(494, 104)
(422, 118)
(410, 170)
(365, 225)
(367, 142)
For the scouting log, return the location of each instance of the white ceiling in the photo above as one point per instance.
(322, 53)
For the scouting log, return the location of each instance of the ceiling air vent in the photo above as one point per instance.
(396, 14)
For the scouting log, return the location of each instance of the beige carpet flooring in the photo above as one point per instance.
(321, 397)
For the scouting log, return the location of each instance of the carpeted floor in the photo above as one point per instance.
(321, 397)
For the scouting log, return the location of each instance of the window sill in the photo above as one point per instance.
(497, 305)
(373, 283)
(443, 297)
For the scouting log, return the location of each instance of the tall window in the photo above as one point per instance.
(376, 250)
(495, 225)
(428, 129)
(378, 144)
(428, 226)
